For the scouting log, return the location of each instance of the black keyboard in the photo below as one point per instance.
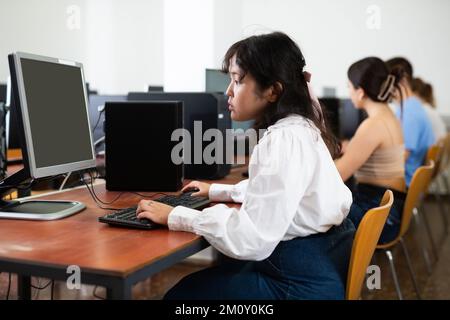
(127, 217)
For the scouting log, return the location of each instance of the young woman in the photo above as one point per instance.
(290, 239)
(424, 91)
(376, 153)
(417, 130)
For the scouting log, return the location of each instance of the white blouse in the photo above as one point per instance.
(293, 190)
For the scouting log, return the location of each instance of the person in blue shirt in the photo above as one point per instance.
(417, 129)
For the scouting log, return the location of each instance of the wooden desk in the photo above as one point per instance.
(115, 258)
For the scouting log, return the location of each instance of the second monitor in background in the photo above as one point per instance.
(343, 118)
(155, 89)
(97, 117)
(216, 81)
(350, 118)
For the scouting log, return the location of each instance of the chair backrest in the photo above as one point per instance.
(434, 154)
(417, 188)
(364, 244)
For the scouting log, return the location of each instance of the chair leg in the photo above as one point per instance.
(428, 230)
(394, 273)
(446, 183)
(411, 271)
(421, 242)
(443, 212)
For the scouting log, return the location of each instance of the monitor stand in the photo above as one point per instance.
(30, 209)
(40, 209)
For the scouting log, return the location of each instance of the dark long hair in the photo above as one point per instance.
(372, 75)
(424, 90)
(273, 58)
(402, 67)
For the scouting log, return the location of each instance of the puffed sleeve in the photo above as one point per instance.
(228, 192)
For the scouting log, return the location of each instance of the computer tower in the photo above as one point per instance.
(212, 110)
(138, 146)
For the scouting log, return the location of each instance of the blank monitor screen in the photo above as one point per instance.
(330, 108)
(350, 118)
(216, 81)
(57, 112)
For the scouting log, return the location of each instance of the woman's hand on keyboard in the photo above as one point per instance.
(156, 211)
(201, 188)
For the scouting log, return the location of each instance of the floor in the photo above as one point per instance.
(432, 286)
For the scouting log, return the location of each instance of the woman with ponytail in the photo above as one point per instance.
(424, 91)
(376, 154)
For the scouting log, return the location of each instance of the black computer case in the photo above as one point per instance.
(138, 146)
(209, 108)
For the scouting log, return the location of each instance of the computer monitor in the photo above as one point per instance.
(97, 117)
(51, 104)
(330, 109)
(343, 118)
(216, 81)
(350, 118)
(155, 89)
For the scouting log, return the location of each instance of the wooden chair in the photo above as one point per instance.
(435, 153)
(418, 187)
(364, 244)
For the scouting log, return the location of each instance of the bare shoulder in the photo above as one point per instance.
(370, 131)
(369, 126)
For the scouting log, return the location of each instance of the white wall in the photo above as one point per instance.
(188, 43)
(333, 34)
(38, 27)
(124, 43)
(119, 42)
(228, 23)
(197, 34)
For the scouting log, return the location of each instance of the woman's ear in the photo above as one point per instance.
(360, 94)
(274, 92)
